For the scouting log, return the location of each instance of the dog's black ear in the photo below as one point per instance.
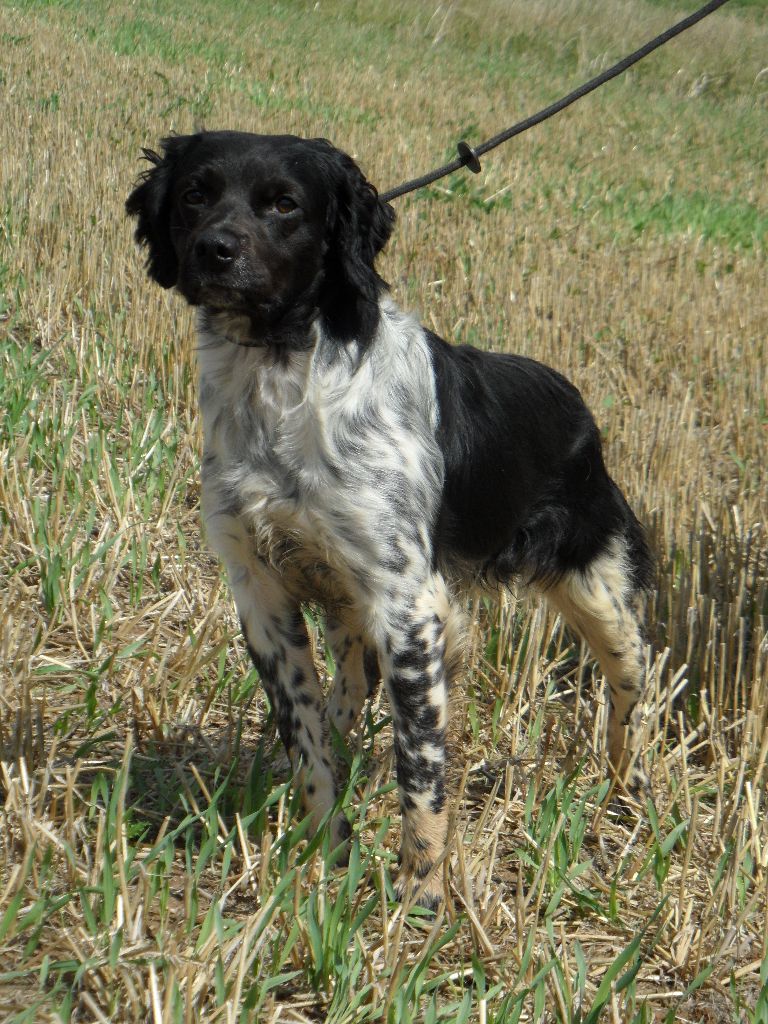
(359, 225)
(150, 202)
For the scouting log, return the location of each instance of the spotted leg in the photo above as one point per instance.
(357, 674)
(277, 640)
(602, 604)
(418, 659)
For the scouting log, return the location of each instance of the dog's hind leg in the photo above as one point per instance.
(603, 604)
(357, 674)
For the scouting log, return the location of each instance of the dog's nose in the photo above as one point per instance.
(218, 249)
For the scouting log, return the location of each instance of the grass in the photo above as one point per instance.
(153, 864)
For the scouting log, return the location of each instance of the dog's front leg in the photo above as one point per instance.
(357, 674)
(413, 661)
(278, 643)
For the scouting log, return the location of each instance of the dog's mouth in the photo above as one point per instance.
(250, 313)
(256, 325)
(235, 323)
(236, 313)
(221, 298)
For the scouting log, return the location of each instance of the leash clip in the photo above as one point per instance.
(468, 157)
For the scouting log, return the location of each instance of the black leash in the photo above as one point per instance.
(470, 156)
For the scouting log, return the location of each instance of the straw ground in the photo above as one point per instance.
(153, 865)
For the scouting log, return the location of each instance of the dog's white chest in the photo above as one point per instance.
(320, 463)
(265, 439)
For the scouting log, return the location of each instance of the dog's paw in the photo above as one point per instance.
(635, 788)
(638, 785)
(340, 834)
(630, 797)
(426, 886)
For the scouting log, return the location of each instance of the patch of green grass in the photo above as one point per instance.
(145, 35)
(153, 859)
(755, 8)
(735, 223)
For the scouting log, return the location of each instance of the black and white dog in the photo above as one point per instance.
(354, 459)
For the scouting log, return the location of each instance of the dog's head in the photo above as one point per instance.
(266, 232)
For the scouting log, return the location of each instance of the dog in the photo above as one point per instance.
(354, 459)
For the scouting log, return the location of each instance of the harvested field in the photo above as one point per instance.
(152, 863)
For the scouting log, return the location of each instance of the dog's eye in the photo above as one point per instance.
(194, 197)
(284, 204)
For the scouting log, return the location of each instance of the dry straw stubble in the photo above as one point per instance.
(623, 244)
